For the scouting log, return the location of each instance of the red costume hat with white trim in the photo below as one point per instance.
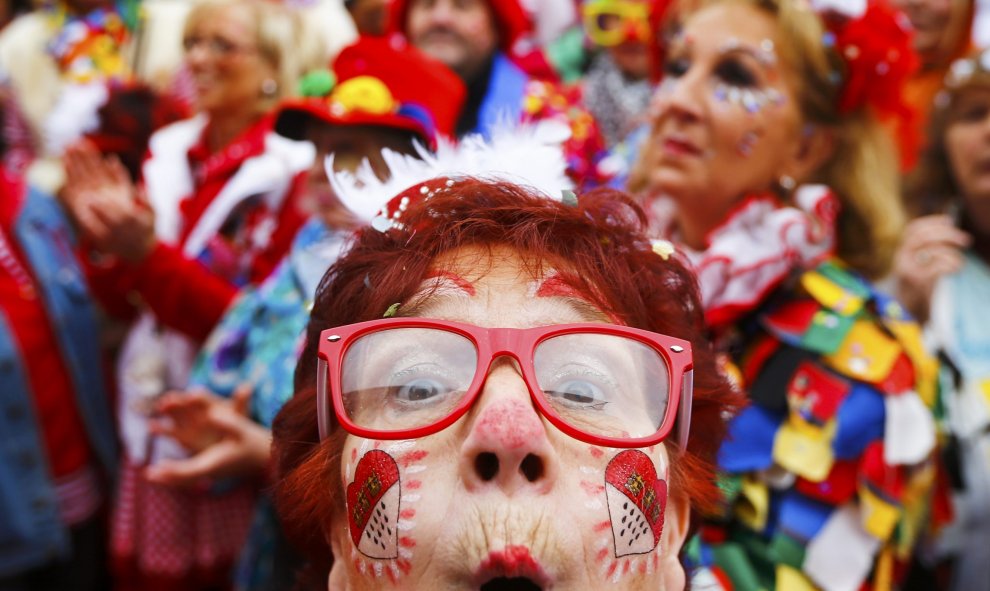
(375, 83)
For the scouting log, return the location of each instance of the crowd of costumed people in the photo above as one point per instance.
(494, 294)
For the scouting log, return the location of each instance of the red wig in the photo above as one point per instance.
(598, 246)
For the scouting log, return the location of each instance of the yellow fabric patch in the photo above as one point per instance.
(805, 449)
(985, 390)
(883, 578)
(792, 579)
(925, 366)
(831, 295)
(879, 516)
(866, 354)
(753, 503)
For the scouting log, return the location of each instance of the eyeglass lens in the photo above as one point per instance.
(404, 378)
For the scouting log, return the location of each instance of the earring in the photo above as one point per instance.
(787, 183)
(269, 87)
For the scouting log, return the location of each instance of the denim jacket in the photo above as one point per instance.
(31, 530)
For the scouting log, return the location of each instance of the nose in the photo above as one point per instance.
(441, 13)
(680, 97)
(197, 53)
(507, 446)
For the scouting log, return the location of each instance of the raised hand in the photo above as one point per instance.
(223, 440)
(932, 247)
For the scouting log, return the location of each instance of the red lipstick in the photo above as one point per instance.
(514, 562)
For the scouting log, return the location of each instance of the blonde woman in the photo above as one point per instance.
(216, 210)
(769, 161)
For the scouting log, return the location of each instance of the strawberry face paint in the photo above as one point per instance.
(380, 503)
(637, 498)
(373, 505)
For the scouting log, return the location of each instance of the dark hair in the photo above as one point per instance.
(127, 120)
(599, 247)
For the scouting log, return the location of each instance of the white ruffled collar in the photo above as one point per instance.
(760, 243)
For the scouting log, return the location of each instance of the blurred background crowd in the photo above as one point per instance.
(166, 219)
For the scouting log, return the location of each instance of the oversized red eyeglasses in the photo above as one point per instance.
(604, 384)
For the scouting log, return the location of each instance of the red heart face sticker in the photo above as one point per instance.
(373, 505)
(636, 502)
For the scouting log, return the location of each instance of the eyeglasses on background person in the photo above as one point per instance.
(604, 384)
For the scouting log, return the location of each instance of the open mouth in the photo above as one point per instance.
(511, 584)
(511, 569)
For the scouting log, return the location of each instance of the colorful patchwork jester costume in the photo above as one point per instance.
(829, 474)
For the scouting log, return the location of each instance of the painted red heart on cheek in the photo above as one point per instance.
(373, 505)
(636, 502)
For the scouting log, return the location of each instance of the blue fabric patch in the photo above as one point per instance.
(860, 420)
(749, 444)
(800, 517)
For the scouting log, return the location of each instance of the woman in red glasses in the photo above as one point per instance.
(496, 393)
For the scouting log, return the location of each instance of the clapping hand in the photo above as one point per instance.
(110, 211)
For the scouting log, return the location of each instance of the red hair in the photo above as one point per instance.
(599, 247)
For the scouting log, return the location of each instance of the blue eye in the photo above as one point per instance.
(579, 393)
(420, 390)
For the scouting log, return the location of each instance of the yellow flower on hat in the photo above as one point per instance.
(363, 93)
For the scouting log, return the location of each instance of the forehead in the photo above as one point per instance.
(459, 6)
(498, 287)
(712, 26)
(229, 18)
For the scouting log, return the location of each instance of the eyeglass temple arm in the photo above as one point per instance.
(322, 398)
(684, 408)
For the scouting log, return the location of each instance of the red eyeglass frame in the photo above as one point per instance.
(519, 344)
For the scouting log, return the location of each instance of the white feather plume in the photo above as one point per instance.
(529, 155)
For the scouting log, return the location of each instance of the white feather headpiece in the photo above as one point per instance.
(528, 155)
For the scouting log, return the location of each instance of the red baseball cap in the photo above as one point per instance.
(377, 82)
(511, 18)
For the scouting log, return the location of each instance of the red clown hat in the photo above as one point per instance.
(374, 83)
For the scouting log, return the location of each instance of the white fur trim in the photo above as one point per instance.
(530, 155)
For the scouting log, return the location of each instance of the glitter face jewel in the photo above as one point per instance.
(747, 144)
(753, 101)
(763, 53)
